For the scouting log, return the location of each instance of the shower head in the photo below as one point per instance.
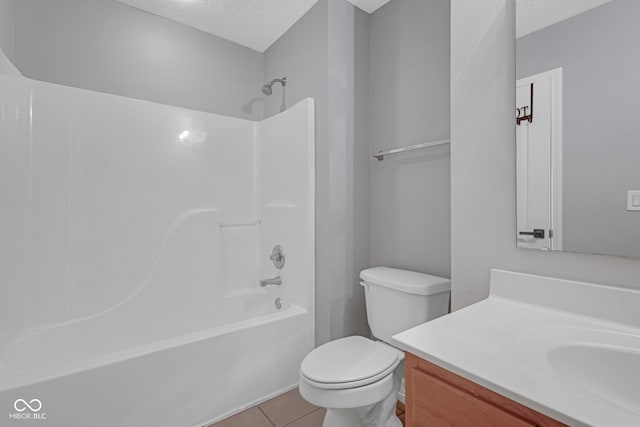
(267, 89)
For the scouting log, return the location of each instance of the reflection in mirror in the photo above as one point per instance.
(578, 144)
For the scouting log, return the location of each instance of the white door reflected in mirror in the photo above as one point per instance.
(539, 161)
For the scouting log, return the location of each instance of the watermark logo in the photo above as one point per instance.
(21, 405)
(28, 410)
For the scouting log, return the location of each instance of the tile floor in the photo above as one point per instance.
(288, 409)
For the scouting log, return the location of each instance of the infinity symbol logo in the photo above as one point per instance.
(21, 405)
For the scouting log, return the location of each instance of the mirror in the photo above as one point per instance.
(577, 137)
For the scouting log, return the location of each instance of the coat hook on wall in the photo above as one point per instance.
(521, 112)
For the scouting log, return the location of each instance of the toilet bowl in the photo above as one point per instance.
(356, 378)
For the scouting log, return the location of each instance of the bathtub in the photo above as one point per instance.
(132, 247)
(90, 374)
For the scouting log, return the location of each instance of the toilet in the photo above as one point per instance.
(356, 378)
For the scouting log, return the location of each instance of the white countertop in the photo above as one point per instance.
(503, 344)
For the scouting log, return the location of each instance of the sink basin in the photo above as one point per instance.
(610, 372)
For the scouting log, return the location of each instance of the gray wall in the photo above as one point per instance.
(483, 163)
(348, 160)
(601, 144)
(361, 180)
(301, 54)
(109, 47)
(319, 58)
(409, 104)
(7, 11)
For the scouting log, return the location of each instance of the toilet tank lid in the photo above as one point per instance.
(406, 281)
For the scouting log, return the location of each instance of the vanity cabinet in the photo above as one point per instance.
(436, 397)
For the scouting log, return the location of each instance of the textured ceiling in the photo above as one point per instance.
(252, 23)
(533, 15)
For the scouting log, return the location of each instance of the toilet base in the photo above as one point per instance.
(381, 414)
(355, 418)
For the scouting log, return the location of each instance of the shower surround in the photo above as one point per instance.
(133, 237)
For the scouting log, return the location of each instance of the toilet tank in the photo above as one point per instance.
(399, 299)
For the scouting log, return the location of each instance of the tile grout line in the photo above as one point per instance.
(305, 415)
(265, 415)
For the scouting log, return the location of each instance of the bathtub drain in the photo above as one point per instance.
(278, 303)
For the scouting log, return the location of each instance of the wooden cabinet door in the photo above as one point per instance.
(438, 404)
(439, 398)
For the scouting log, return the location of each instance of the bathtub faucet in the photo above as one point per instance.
(275, 281)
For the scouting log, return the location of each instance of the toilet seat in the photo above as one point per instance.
(349, 363)
(347, 398)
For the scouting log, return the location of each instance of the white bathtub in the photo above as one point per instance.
(132, 245)
(87, 376)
